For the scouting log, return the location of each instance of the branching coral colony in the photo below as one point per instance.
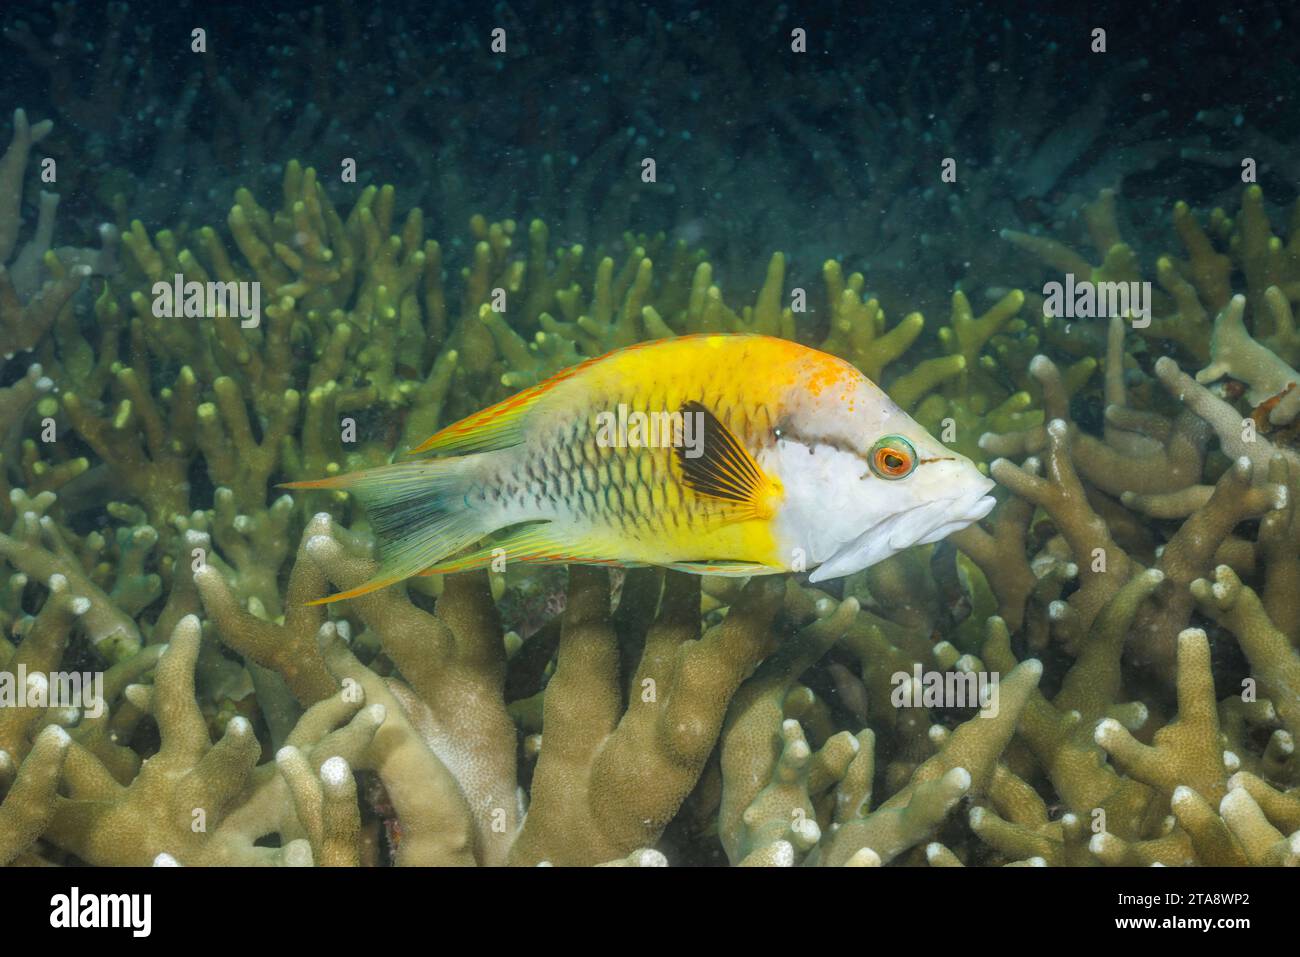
(1135, 590)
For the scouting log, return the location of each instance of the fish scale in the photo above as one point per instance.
(606, 482)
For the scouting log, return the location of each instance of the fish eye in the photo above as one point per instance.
(892, 457)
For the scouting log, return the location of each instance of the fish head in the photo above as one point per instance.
(863, 480)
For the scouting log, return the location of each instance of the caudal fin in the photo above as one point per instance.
(418, 511)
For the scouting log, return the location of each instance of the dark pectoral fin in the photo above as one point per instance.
(724, 469)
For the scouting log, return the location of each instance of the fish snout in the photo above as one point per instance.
(979, 501)
(941, 518)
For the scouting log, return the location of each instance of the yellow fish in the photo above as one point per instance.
(714, 454)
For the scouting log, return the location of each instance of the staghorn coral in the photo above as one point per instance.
(31, 793)
(199, 803)
(38, 283)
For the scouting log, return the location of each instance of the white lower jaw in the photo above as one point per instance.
(978, 510)
(918, 526)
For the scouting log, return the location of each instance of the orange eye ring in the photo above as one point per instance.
(893, 457)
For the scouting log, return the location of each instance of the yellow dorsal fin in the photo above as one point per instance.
(498, 426)
(502, 425)
(724, 469)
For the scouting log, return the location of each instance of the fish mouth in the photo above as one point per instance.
(945, 517)
(919, 525)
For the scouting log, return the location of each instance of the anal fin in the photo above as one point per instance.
(536, 543)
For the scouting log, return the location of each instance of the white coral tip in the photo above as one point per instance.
(239, 726)
(1107, 730)
(1235, 801)
(335, 772)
